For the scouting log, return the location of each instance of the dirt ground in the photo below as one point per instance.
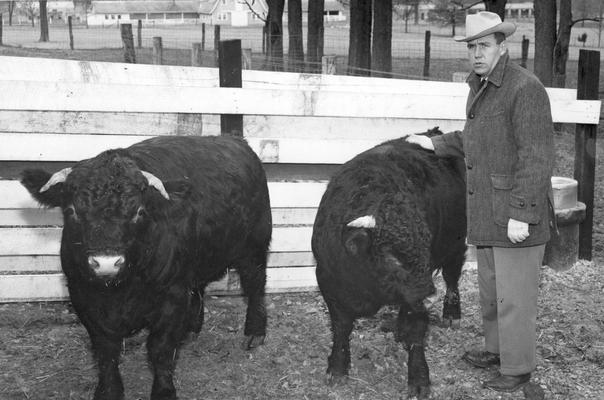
(45, 352)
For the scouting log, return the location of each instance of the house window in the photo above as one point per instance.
(106, 16)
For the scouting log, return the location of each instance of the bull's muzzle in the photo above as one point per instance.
(106, 265)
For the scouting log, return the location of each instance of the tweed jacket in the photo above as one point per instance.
(507, 143)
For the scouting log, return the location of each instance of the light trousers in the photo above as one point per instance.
(508, 281)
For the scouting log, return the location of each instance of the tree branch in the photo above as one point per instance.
(251, 8)
(586, 19)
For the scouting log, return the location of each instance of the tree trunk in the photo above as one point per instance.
(314, 46)
(359, 47)
(296, 45)
(274, 24)
(545, 38)
(11, 10)
(496, 6)
(381, 54)
(43, 22)
(561, 47)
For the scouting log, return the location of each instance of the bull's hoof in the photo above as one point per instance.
(419, 392)
(451, 323)
(251, 342)
(332, 379)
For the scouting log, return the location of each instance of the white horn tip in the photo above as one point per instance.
(368, 221)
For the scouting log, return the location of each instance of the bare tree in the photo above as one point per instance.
(295, 55)
(44, 37)
(274, 29)
(11, 10)
(29, 8)
(359, 47)
(545, 37)
(496, 6)
(381, 53)
(404, 9)
(314, 46)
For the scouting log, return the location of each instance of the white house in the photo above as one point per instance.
(215, 12)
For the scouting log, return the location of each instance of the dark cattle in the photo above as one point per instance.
(389, 218)
(146, 228)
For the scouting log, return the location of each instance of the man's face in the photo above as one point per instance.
(484, 53)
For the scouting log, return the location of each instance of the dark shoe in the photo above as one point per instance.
(481, 358)
(507, 383)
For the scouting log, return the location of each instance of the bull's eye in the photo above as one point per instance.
(69, 212)
(140, 214)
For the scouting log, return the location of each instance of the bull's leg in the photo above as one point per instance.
(451, 303)
(107, 353)
(338, 362)
(165, 335)
(196, 314)
(252, 273)
(412, 325)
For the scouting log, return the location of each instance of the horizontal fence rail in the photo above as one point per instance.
(62, 111)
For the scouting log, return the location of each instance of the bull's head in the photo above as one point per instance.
(403, 267)
(108, 206)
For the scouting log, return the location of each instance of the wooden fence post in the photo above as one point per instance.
(158, 51)
(328, 65)
(203, 36)
(196, 55)
(128, 41)
(585, 147)
(216, 41)
(246, 58)
(427, 54)
(139, 31)
(229, 64)
(70, 32)
(0, 29)
(525, 49)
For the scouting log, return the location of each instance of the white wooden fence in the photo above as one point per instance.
(53, 112)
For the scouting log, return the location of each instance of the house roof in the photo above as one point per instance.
(141, 6)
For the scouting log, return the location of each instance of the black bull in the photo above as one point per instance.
(146, 228)
(389, 218)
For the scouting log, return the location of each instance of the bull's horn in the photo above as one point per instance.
(156, 183)
(368, 221)
(57, 177)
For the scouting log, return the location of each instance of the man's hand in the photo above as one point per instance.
(518, 231)
(421, 140)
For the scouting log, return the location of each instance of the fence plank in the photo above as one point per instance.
(56, 70)
(46, 240)
(52, 287)
(300, 194)
(53, 217)
(52, 96)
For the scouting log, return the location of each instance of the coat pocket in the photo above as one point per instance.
(502, 189)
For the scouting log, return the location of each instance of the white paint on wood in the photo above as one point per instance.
(52, 263)
(294, 194)
(53, 217)
(56, 70)
(46, 241)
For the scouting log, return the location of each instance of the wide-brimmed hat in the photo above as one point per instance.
(484, 23)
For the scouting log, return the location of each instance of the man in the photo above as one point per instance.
(507, 143)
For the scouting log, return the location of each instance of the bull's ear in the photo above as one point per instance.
(357, 236)
(34, 180)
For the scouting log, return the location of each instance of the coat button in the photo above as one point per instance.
(470, 192)
(470, 166)
(471, 116)
(521, 204)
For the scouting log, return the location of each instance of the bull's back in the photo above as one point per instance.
(433, 184)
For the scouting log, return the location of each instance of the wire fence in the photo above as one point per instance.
(98, 43)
